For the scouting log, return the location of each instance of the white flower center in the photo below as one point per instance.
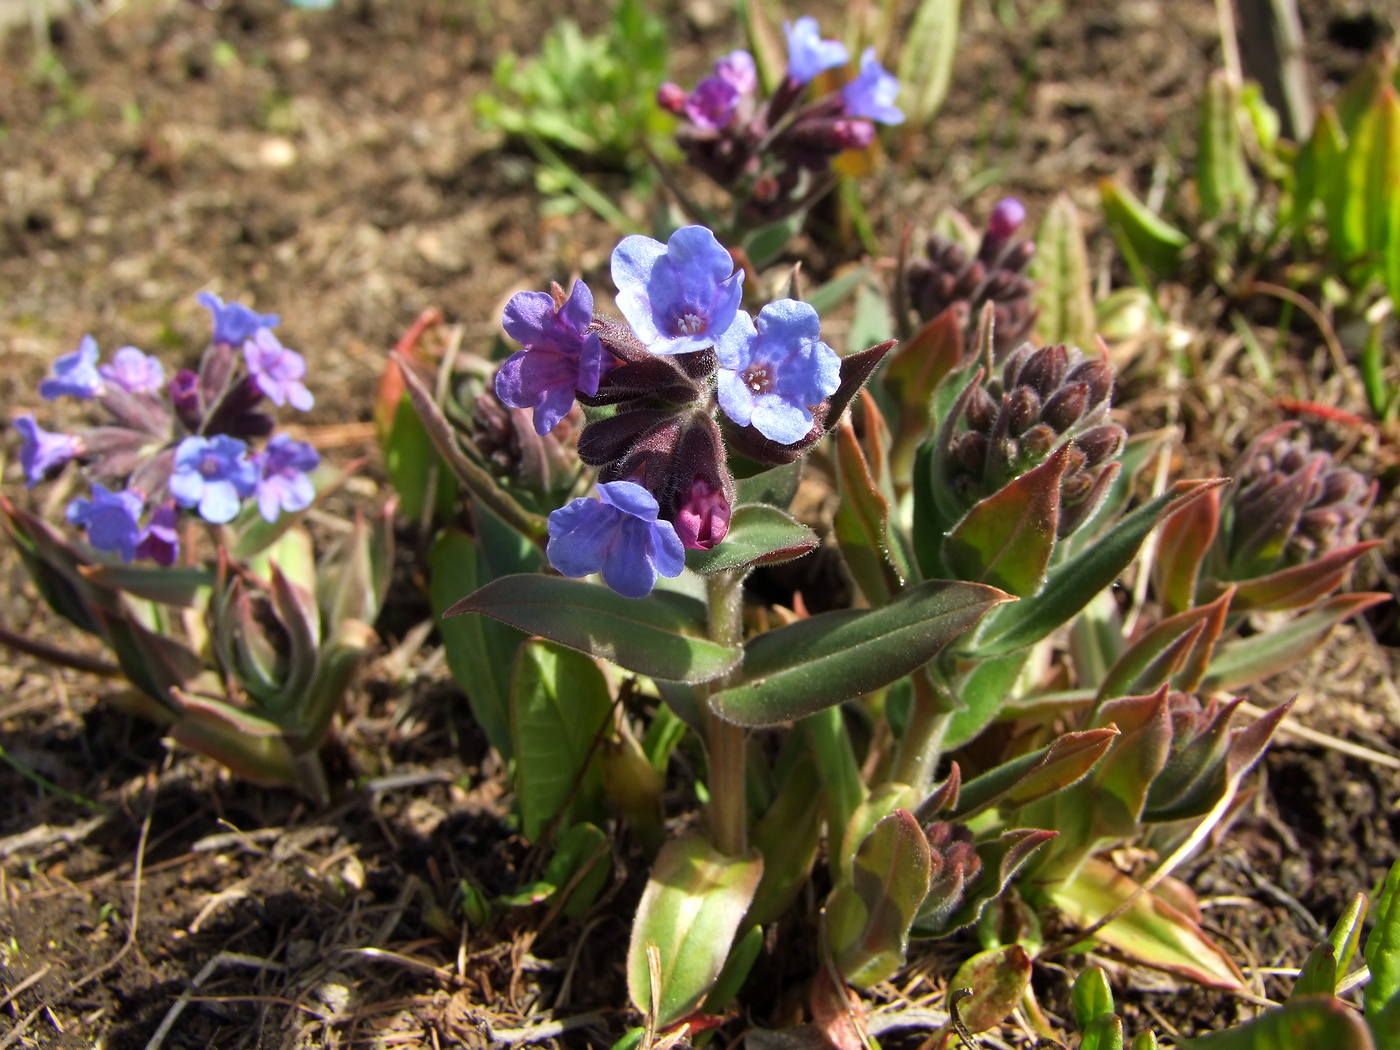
(690, 324)
(757, 379)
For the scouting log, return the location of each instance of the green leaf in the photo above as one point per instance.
(775, 487)
(736, 971)
(788, 836)
(1091, 995)
(998, 978)
(584, 859)
(758, 535)
(480, 651)
(1383, 948)
(1304, 1024)
(409, 459)
(689, 913)
(1317, 171)
(1165, 649)
(1144, 1040)
(1318, 975)
(662, 635)
(1006, 539)
(559, 704)
(1060, 270)
(862, 522)
(926, 57)
(871, 322)
(1223, 180)
(1028, 777)
(868, 918)
(983, 689)
(826, 659)
(1140, 231)
(836, 291)
(1346, 934)
(1104, 1033)
(174, 585)
(765, 244)
(1181, 548)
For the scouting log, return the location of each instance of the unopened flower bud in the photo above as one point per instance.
(981, 410)
(1045, 369)
(702, 519)
(1065, 406)
(1022, 409)
(672, 98)
(1097, 375)
(971, 452)
(1101, 443)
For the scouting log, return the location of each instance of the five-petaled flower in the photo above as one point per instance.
(112, 520)
(872, 93)
(234, 323)
(282, 476)
(75, 374)
(782, 369)
(617, 534)
(214, 475)
(277, 371)
(42, 451)
(681, 296)
(561, 355)
(134, 372)
(808, 53)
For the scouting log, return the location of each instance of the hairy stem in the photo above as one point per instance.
(922, 745)
(728, 805)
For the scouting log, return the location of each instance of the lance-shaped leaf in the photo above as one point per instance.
(926, 59)
(252, 747)
(1299, 586)
(1139, 231)
(1001, 858)
(1181, 548)
(1345, 936)
(758, 535)
(1091, 996)
(776, 486)
(582, 858)
(868, 918)
(688, 915)
(1006, 539)
(1383, 951)
(662, 635)
(983, 688)
(788, 836)
(998, 978)
(1318, 167)
(1073, 583)
(1029, 777)
(1105, 1033)
(1316, 1021)
(188, 588)
(151, 662)
(1318, 974)
(916, 368)
(862, 522)
(339, 658)
(1151, 931)
(836, 656)
(1060, 270)
(1165, 649)
(1241, 661)
(1222, 179)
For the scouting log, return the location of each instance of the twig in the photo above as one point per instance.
(19, 989)
(46, 835)
(59, 657)
(540, 1032)
(178, 1007)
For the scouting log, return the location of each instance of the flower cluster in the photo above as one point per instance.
(768, 151)
(181, 443)
(687, 358)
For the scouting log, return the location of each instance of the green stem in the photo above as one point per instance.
(836, 765)
(728, 802)
(922, 744)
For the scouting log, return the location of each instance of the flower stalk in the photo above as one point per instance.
(726, 741)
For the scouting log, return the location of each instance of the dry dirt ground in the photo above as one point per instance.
(327, 166)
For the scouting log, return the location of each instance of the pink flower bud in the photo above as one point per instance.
(702, 520)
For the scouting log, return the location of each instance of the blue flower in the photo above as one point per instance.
(808, 53)
(277, 371)
(111, 520)
(680, 296)
(160, 540)
(618, 535)
(75, 374)
(282, 480)
(738, 68)
(234, 323)
(778, 372)
(561, 355)
(42, 451)
(134, 372)
(213, 474)
(871, 94)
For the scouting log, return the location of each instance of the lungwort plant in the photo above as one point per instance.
(188, 560)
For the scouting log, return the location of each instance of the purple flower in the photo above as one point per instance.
(277, 371)
(561, 355)
(160, 540)
(618, 535)
(702, 520)
(712, 104)
(680, 296)
(871, 94)
(282, 481)
(808, 53)
(1006, 219)
(110, 518)
(41, 451)
(234, 323)
(75, 374)
(213, 474)
(778, 372)
(134, 372)
(738, 69)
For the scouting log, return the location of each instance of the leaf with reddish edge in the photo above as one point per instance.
(1006, 539)
(1241, 661)
(1311, 1022)
(1001, 858)
(1029, 777)
(998, 978)
(1151, 931)
(1296, 587)
(862, 522)
(690, 911)
(1188, 679)
(916, 368)
(758, 535)
(1165, 649)
(868, 918)
(252, 747)
(1181, 549)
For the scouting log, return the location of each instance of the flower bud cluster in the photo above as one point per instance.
(182, 444)
(1042, 399)
(954, 867)
(686, 352)
(767, 151)
(996, 275)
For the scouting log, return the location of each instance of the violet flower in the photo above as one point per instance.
(778, 372)
(110, 518)
(277, 371)
(75, 374)
(561, 355)
(738, 68)
(681, 296)
(808, 53)
(617, 534)
(134, 372)
(282, 482)
(702, 519)
(234, 323)
(42, 451)
(214, 475)
(872, 93)
(160, 539)
(712, 104)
